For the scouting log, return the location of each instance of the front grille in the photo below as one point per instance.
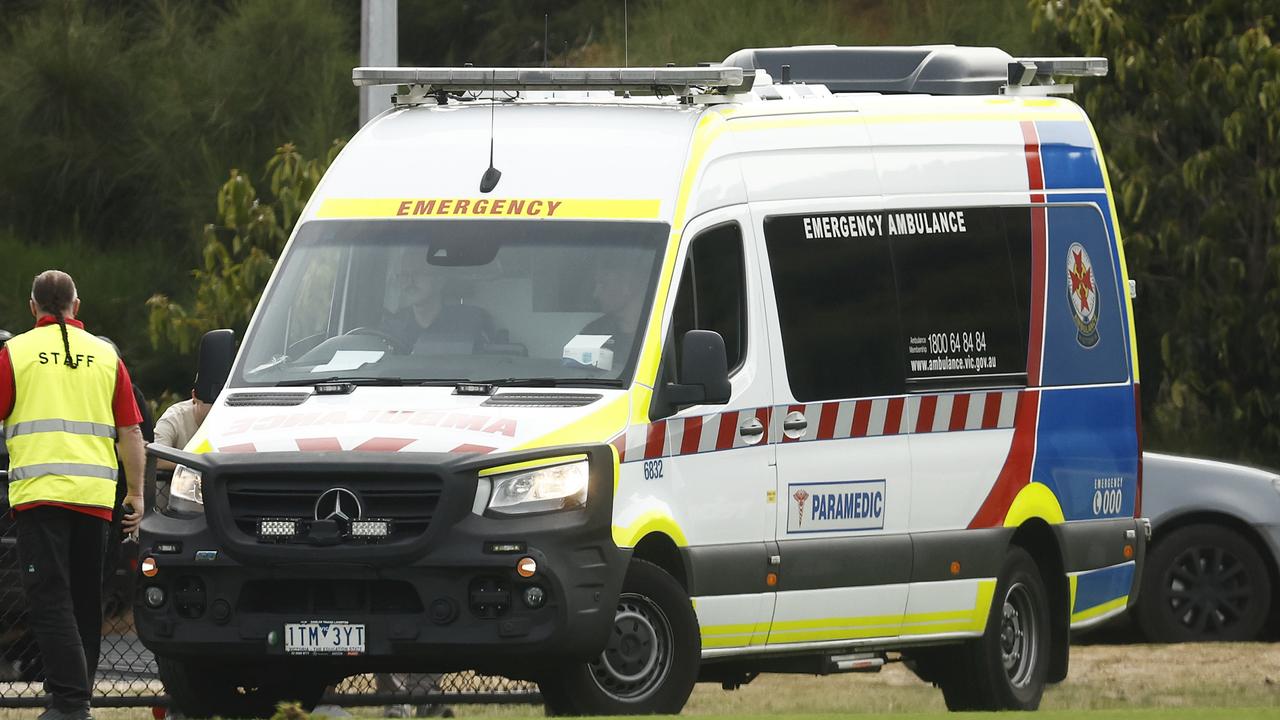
(329, 596)
(408, 501)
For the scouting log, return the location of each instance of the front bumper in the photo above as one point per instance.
(438, 600)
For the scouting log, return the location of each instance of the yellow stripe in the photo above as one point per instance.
(652, 521)
(852, 117)
(709, 127)
(1098, 610)
(1124, 266)
(491, 208)
(531, 464)
(598, 426)
(1034, 500)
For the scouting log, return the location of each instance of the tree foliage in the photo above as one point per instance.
(239, 250)
(1190, 118)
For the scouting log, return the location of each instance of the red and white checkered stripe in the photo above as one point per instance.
(331, 444)
(826, 421)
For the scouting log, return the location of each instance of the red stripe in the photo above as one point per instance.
(241, 448)
(692, 436)
(620, 444)
(728, 427)
(383, 444)
(468, 448)
(861, 418)
(893, 416)
(1016, 472)
(329, 444)
(928, 406)
(959, 411)
(827, 422)
(655, 439)
(1035, 181)
(991, 412)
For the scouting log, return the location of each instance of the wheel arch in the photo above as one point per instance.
(1039, 540)
(660, 549)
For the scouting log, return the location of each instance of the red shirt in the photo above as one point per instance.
(123, 407)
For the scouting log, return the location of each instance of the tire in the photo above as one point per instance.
(651, 661)
(198, 690)
(1006, 668)
(1203, 583)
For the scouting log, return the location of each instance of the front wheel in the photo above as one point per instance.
(200, 690)
(1005, 669)
(651, 660)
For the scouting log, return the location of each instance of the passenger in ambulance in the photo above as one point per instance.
(620, 297)
(433, 317)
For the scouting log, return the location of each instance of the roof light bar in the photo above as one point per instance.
(1023, 71)
(637, 79)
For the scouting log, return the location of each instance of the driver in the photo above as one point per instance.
(621, 298)
(426, 314)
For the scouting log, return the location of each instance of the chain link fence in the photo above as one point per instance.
(127, 670)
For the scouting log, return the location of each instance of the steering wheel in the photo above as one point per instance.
(396, 345)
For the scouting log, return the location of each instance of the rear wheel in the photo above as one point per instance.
(1005, 669)
(1203, 583)
(201, 690)
(650, 662)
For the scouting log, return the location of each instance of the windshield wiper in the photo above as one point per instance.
(335, 379)
(547, 382)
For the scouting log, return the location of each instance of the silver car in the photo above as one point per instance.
(1211, 568)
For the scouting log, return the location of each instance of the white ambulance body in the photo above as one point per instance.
(912, 427)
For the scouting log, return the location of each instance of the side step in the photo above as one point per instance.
(855, 662)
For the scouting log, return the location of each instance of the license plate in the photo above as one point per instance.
(324, 638)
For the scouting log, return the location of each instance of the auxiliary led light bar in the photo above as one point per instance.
(279, 528)
(637, 79)
(370, 529)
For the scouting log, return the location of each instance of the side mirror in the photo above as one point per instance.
(217, 352)
(704, 372)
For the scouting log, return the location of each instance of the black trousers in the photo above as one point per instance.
(61, 553)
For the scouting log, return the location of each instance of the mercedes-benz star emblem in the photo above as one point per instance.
(338, 504)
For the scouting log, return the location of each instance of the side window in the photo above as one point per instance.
(962, 284)
(713, 293)
(834, 284)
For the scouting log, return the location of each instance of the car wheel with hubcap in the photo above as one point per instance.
(1203, 583)
(650, 661)
(1005, 669)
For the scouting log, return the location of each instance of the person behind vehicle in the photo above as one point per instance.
(178, 424)
(425, 316)
(67, 403)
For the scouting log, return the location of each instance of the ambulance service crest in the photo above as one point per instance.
(1082, 294)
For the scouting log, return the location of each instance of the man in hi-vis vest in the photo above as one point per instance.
(67, 404)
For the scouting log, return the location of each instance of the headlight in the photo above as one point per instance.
(559, 487)
(186, 487)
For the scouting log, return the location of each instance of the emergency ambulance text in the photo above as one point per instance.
(933, 222)
(479, 206)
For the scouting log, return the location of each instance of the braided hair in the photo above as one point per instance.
(54, 292)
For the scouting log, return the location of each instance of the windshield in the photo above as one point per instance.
(391, 302)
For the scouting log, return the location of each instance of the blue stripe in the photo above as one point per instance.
(1068, 156)
(1099, 586)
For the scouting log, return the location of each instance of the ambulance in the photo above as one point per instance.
(622, 379)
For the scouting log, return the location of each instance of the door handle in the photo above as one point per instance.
(794, 425)
(751, 430)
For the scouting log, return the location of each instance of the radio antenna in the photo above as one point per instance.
(491, 176)
(626, 44)
(546, 25)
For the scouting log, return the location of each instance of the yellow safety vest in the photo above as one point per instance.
(61, 433)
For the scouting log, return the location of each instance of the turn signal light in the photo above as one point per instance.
(527, 567)
(148, 567)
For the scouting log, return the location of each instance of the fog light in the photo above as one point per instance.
(279, 528)
(148, 567)
(534, 597)
(153, 596)
(526, 567)
(370, 529)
